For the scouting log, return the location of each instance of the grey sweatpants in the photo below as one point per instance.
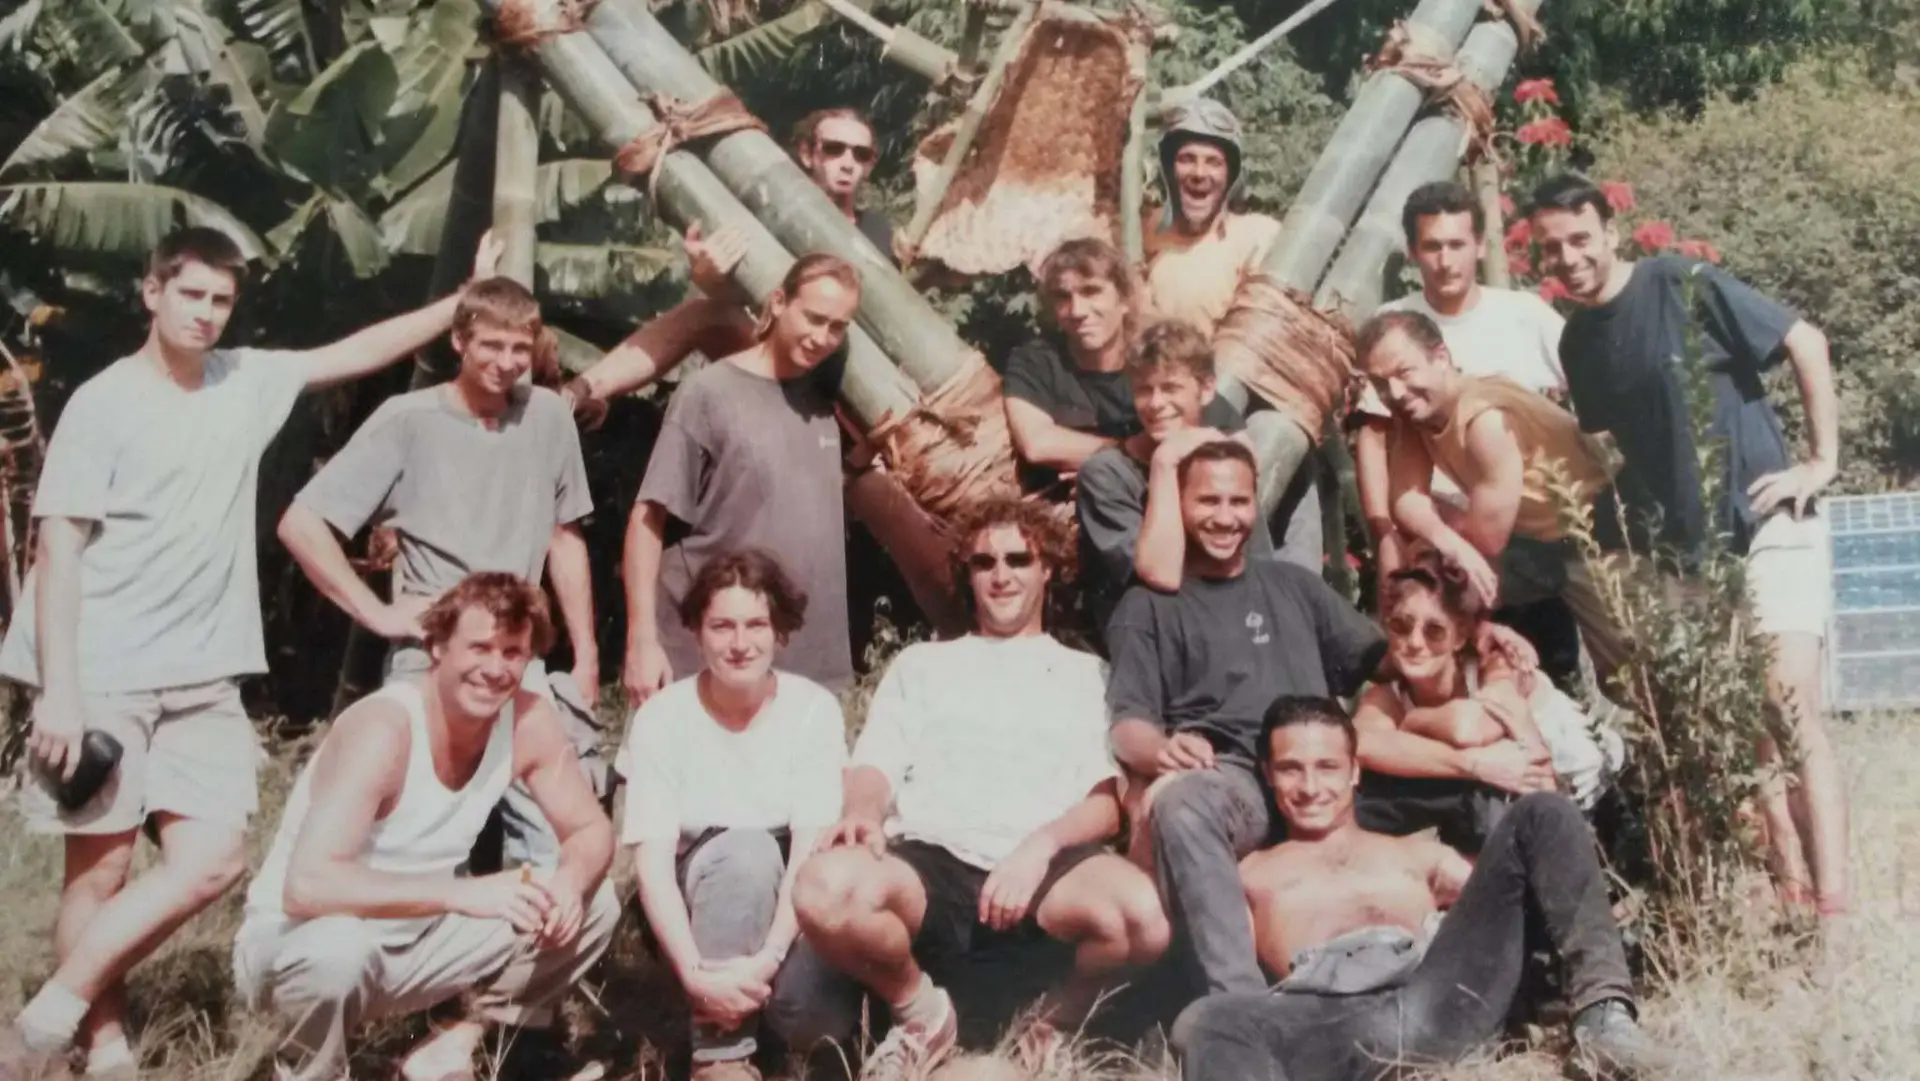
(731, 881)
(326, 976)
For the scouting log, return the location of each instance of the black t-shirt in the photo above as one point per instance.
(876, 228)
(1623, 362)
(1100, 403)
(1212, 657)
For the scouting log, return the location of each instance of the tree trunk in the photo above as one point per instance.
(1430, 153)
(516, 168)
(469, 210)
(687, 191)
(776, 192)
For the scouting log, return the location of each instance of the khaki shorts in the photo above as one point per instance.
(189, 751)
(1790, 575)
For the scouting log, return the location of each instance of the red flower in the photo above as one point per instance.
(1546, 131)
(1518, 265)
(1551, 290)
(1699, 249)
(1519, 235)
(1619, 195)
(1506, 205)
(1536, 90)
(1654, 236)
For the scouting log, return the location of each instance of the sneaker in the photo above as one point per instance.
(18, 1062)
(1609, 1045)
(733, 1069)
(910, 1052)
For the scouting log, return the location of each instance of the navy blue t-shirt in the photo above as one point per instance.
(1623, 363)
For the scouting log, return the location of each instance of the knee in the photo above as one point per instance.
(1213, 1019)
(827, 891)
(208, 875)
(1185, 808)
(740, 860)
(1147, 927)
(1547, 810)
(329, 960)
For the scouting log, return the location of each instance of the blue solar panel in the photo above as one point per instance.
(1875, 644)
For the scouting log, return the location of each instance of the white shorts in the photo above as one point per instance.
(1790, 575)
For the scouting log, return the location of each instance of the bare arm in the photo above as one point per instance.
(1493, 499)
(1138, 744)
(318, 551)
(665, 906)
(1506, 704)
(646, 665)
(546, 764)
(1041, 442)
(1796, 486)
(1410, 481)
(1095, 818)
(367, 351)
(700, 323)
(1376, 498)
(58, 720)
(572, 579)
(1447, 872)
(866, 794)
(786, 926)
(1160, 555)
(1386, 748)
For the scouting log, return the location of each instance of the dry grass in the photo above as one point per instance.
(1751, 1012)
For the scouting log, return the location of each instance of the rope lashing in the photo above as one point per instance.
(1297, 358)
(1418, 56)
(952, 449)
(680, 124)
(1526, 25)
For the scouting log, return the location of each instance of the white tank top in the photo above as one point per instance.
(429, 831)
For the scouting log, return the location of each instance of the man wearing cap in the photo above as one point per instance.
(1198, 248)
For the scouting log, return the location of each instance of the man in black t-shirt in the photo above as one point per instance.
(1193, 673)
(1625, 351)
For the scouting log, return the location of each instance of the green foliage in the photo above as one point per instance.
(1808, 203)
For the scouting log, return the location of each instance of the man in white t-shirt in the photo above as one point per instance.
(969, 856)
(141, 614)
(1488, 331)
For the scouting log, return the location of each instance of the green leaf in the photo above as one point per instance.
(755, 52)
(119, 222)
(88, 121)
(280, 27)
(330, 133)
(341, 224)
(78, 40)
(423, 123)
(594, 271)
(411, 226)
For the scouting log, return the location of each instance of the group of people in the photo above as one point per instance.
(1018, 821)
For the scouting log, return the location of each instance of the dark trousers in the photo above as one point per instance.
(1459, 996)
(1463, 812)
(1202, 825)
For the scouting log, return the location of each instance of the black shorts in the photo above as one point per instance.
(991, 974)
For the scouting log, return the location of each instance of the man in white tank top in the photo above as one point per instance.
(359, 910)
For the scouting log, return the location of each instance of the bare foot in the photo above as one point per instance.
(447, 1055)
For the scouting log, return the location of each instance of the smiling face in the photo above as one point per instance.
(806, 328)
(1415, 385)
(1169, 398)
(1576, 248)
(1009, 582)
(1200, 172)
(190, 310)
(1448, 255)
(839, 156)
(737, 639)
(1423, 639)
(493, 358)
(479, 666)
(1089, 309)
(1217, 506)
(1313, 770)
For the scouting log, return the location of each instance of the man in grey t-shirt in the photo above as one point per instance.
(483, 473)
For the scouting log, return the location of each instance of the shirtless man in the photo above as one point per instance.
(1340, 915)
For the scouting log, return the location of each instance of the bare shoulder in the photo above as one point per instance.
(1267, 868)
(368, 744)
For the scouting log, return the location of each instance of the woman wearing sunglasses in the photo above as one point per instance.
(730, 771)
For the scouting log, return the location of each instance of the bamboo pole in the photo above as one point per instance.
(1485, 175)
(1177, 96)
(578, 71)
(516, 168)
(968, 129)
(903, 46)
(469, 207)
(748, 168)
(1133, 179)
(1430, 152)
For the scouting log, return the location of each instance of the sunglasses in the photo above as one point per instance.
(830, 149)
(979, 562)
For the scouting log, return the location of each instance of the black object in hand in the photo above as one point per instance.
(99, 754)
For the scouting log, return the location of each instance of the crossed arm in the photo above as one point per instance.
(1493, 498)
(1042, 442)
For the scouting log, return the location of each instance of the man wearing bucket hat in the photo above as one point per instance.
(1197, 247)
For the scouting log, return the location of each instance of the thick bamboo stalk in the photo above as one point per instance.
(1430, 152)
(968, 128)
(1133, 179)
(904, 47)
(516, 157)
(469, 207)
(1485, 175)
(756, 170)
(687, 191)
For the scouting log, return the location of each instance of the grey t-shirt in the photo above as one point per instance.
(461, 497)
(1111, 498)
(749, 462)
(1212, 657)
(169, 590)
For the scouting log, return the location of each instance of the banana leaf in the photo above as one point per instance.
(280, 27)
(352, 233)
(411, 226)
(89, 121)
(596, 271)
(109, 222)
(757, 51)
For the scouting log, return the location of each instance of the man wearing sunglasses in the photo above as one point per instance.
(836, 148)
(968, 869)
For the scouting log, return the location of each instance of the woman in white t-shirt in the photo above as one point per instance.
(1452, 737)
(728, 772)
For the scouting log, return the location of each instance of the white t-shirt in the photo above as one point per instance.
(985, 740)
(1508, 333)
(169, 593)
(685, 773)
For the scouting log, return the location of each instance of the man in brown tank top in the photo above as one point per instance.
(1521, 460)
